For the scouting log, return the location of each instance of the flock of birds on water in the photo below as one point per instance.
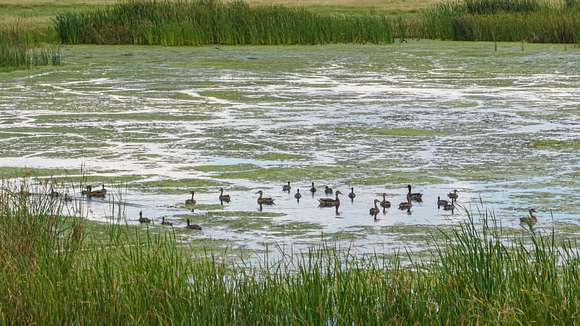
(448, 205)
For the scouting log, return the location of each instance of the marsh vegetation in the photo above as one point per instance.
(237, 23)
(55, 272)
(20, 50)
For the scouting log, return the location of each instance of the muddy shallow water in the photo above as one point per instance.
(502, 128)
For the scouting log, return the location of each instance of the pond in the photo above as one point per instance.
(503, 128)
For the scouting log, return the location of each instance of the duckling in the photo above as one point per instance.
(96, 193)
(416, 196)
(191, 201)
(224, 198)
(297, 195)
(164, 222)
(406, 205)
(330, 202)
(286, 187)
(385, 203)
(327, 190)
(352, 195)
(143, 220)
(313, 189)
(192, 226)
(441, 202)
(532, 219)
(264, 200)
(375, 210)
(453, 195)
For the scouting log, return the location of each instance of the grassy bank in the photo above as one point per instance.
(51, 274)
(214, 22)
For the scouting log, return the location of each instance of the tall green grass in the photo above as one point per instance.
(204, 22)
(502, 20)
(51, 274)
(20, 50)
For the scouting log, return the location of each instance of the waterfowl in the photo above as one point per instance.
(330, 202)
(405, 205)
(448, 207)
(192, 226)
(191, 201)
(96, 193)
(375, 210)
(164, 222)
(224, 198)
(143, 220)
(532, 219)
(441, 202)
(313, 189)
(286, 187)
(385, 203)
(416, 196)
(298, 195)
(264, 200)
(327, 190)
(352, 195)
(453, 195)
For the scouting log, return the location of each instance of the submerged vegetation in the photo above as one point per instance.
(55, 271)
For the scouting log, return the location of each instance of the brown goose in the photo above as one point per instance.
(191, 201)
(297, 195)
(448, 207)
(406, 204)
(224, 198)
(385, 203)
(441, 202)
(96, 193)
(416, 196)
(164, 222)
(313, 189)
(264, 200)
(192, 226)
(351, 195)
(330, 202)
(532, 219)
(375, 210)
(143, 220)
(453, 195)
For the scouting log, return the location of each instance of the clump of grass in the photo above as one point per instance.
(203, 22)
(20, 50)
(485, 7)
(477, 274)
(502, 20)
